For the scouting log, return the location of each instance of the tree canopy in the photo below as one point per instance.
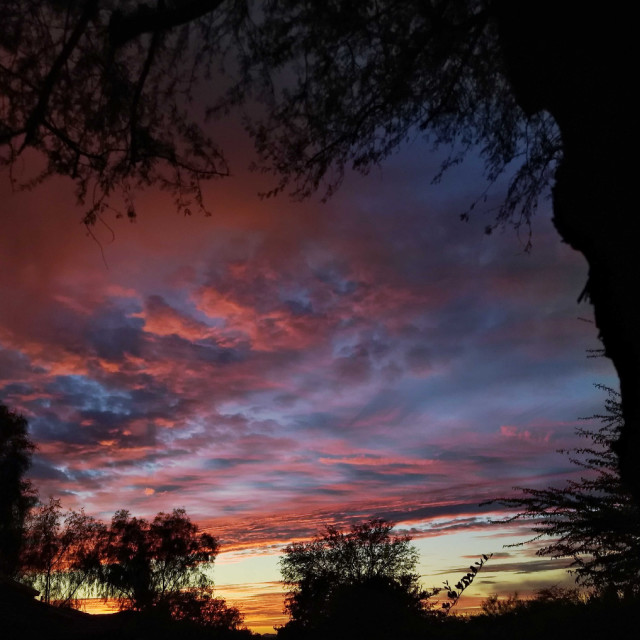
(593, 520)
(61, 554)
(146, 563)
(105, 90)
(337, 580)
(158, 566)
(17, 496)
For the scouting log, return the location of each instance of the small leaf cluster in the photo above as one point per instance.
(455, 592)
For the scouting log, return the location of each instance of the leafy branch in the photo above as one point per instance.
(455, 593)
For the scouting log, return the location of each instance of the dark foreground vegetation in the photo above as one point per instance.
(363, 584)
(560, 617)
(24, 618)
(554, 615)
(544, 85)
(157, 571)
(343, 584)
(541, 89)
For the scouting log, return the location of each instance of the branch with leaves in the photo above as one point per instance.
(454, 593)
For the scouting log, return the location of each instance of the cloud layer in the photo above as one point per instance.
(280, 364)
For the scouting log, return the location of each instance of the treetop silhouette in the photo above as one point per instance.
(61, 555)
(17, 495)
(147, 563)
(359, 582)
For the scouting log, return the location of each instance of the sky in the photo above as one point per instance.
(283, 365)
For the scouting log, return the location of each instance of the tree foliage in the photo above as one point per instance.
(61, 555)
(338, 580)
(593, 520)
(103, 89)
(17, 495)
(158, 565)
(145, 563)
(356, 80)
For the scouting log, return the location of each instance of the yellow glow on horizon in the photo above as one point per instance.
(98, 606)
(247, 576)
(261, 603)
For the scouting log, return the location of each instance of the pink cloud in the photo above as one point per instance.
(524, 434)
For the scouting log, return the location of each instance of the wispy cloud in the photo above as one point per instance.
(280, 366)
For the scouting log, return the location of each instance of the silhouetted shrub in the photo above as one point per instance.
(360, 583)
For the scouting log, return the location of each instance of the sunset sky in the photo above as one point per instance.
(283, 365)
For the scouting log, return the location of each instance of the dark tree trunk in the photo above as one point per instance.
(578, 66)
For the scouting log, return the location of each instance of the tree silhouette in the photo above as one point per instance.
(102, 89)
(147, 563)
(17, 495)
(594, 520)
(454, 592)
(359, 582)
(159, 565)
(61, 555)
(84, 83)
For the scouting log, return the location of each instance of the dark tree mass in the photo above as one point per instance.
(146, 564)
(60, 557)
(156, 567)
(338, 579)
(17, 496)
(102, 89)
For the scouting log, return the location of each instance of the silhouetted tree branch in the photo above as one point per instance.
(454, 592)
(126, 26)
(593, 520)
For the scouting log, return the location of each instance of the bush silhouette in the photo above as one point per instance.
(359, 583)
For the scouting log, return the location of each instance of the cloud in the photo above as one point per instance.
(280, 366)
